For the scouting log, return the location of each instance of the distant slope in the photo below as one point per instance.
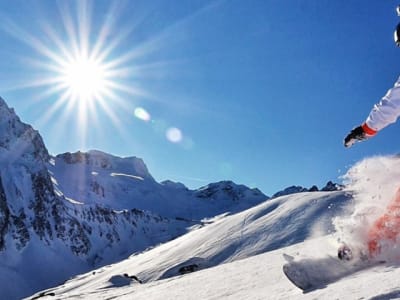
(95, 177)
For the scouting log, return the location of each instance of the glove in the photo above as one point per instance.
(358, 134)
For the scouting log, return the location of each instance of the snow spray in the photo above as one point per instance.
(373, 183)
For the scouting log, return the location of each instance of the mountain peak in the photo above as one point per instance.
(18, 139)
(98, 160)
(2, 102)
(229, 190)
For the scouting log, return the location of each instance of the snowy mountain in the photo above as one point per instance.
(37, 218)
(123, 183)
(241, 256)
(64, 215)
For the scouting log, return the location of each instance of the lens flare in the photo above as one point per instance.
(142, 114)
(174, 135)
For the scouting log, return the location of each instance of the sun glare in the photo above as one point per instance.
(81, 75)
(86, 72)
(84, 78)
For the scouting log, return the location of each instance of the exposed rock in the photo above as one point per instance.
(290, 190)
(330, 186)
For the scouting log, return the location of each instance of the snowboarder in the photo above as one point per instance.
(386, 112)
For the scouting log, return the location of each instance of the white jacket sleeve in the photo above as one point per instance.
(387, 110)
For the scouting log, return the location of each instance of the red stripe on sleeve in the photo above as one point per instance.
(368, 130)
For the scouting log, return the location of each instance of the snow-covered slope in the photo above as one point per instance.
(259, 277)
(230, 259)
(274, 224)
(271, 225)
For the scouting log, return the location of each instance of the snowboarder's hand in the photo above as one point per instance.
(358, 134)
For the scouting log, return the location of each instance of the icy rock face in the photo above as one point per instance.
(28, 203)
(18, 140)
(4, 216)
(26, 193)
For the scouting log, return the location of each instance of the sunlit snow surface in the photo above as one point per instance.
(236, 254)
(268, 226)
(258, 277)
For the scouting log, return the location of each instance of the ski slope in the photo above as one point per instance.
(271, 225)
(257, 277)
(241, 256)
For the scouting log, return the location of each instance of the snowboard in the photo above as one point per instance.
(311, 274)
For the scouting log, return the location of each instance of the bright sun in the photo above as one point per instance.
(84, 78)
(87, 83)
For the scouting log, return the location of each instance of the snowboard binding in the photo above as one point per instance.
(345, 253)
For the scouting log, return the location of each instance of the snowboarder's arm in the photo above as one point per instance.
(387, 110)
(384, 113)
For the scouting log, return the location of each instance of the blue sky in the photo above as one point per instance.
(258, 92)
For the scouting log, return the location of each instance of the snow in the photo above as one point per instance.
(257, 277)
(230, 240)
(241, 256)
(126, 175)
